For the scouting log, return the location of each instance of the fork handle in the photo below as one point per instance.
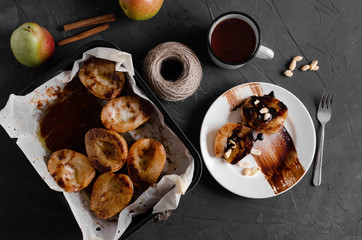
(317, 176)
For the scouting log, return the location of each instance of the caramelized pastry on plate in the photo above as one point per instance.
(111, 193)
(106, 150)
(233, 142)
(100, 77)
(71, 170)
(125, 113)
(145, 162)
(264, 114)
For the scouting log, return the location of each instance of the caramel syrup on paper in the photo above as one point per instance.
(279, 159)
(64, 123)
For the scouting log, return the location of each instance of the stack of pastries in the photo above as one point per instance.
(259, 115)
(107, 151)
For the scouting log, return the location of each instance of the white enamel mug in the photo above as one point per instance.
(260, 51)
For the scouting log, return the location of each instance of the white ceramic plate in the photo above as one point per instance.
(298, 123)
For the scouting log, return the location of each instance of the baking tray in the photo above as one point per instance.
(67, 64)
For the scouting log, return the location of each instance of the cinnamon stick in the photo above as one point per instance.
(85, 34)
(91, 21)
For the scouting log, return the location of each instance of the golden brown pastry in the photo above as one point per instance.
(233, 142)
(107, 150)
(101, 79)
(145, 162)
(125, 113)
(265, 114)
(71, 170)
(111, 193)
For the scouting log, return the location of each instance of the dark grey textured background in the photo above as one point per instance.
(327, 30)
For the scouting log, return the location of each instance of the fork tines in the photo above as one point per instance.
(326, 100)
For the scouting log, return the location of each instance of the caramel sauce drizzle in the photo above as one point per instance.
(65, 121)
(236, 96)
(279, 159)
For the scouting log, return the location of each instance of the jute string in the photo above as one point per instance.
(189, 79)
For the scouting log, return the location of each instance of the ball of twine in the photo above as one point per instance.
(189, 79)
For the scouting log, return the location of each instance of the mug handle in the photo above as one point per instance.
(265, 53)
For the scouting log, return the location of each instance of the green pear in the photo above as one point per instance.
(32, 45)
(140, 9)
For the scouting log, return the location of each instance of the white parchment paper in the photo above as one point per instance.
(20, 119)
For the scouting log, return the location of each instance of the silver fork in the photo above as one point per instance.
(324, 115)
